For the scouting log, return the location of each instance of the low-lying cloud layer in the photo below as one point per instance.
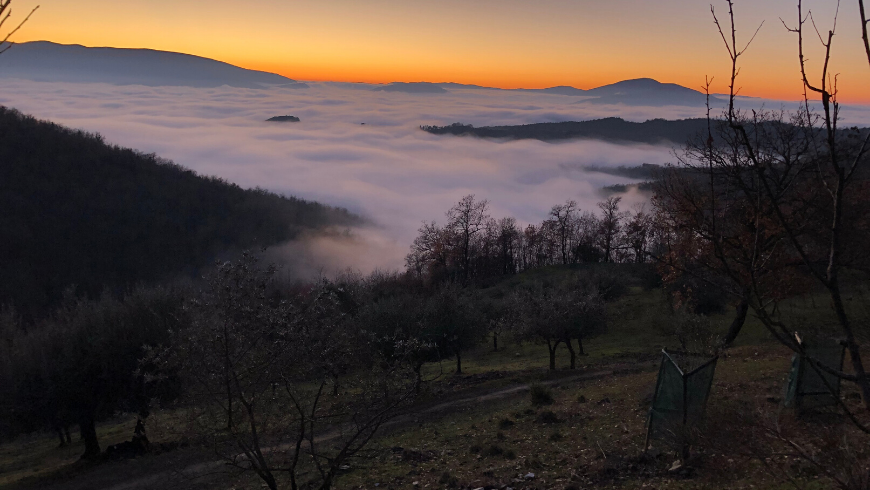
(358, 148)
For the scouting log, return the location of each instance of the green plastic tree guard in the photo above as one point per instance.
(680, 398)
(808, 388)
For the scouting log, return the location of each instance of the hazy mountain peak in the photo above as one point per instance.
(647, 91)
(50, 62)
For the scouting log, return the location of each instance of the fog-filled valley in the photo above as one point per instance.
(361, 149)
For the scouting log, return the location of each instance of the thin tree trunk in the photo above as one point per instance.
(270, 480)
(573, 354)
(419, 378)
(327, 484)
(580, 345)
(495, 342)
(229, 405)
(738, 322)
(229, 387)
(458, 361)
(59, 431)
(552, 348)
(88, 430)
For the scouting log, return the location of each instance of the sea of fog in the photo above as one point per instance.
(359, 149)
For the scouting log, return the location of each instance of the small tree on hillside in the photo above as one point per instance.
(499, 315)
(401, 332)
(638, 232)
(610, 227)
(556, 314)
(508, 246)
(454, 321)
(588, 312)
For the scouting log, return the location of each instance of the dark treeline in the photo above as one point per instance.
(646, 171)
(80, 212)
(653, 131)
(473, 246)
(611, 128)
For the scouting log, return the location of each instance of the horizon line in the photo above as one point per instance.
(482, 85)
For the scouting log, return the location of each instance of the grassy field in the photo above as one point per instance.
(591, 435)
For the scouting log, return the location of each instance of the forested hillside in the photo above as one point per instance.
(78, 211)
(611, 129)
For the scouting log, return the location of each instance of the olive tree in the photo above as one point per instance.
(256, 363)
(81, 365)
(560, 313)
(454, 320)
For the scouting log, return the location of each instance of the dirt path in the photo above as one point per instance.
(177, 470)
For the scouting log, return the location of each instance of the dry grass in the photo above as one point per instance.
(598, 439)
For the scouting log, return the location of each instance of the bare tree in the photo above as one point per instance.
(637, 233)
(610, 226)
(563, 217)
(785, 204)
(430, 251)
(508, 245)
(586, 228)
(465, 221)
(835, 163)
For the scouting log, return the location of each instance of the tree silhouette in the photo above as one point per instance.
(5, 15)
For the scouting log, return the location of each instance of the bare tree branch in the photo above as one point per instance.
(864, 22)
(4, 8)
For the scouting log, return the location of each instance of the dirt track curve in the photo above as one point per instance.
(175, 470)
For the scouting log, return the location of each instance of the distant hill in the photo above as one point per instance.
(611, 129)
(412, 88)
(50, 62)
(79, 212)
(642, 91)
(561, 90)
(646, 91)
(465, 86)
(283, 119)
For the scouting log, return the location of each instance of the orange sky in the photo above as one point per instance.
(502, 43)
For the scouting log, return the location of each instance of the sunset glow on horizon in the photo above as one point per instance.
(504, 43)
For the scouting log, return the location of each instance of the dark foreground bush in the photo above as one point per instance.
(541, 395)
